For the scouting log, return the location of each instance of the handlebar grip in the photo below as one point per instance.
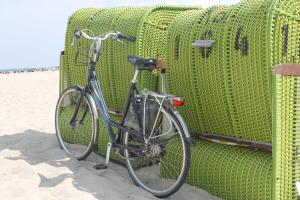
(126, 37)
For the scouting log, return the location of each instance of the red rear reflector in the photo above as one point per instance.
(177, 102)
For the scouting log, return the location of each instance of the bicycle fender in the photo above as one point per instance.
(186, 131)
(95, 111)
(93, 106)
(90, 98)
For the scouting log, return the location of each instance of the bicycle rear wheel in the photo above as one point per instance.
(159, 169)
(77, 138)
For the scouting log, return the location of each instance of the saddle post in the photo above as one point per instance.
(161, 65)
(136, 75)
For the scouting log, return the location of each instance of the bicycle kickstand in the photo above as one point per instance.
(104, 165)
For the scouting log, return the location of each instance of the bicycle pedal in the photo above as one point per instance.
(100, 166)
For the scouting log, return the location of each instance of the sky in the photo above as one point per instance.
(32, 31)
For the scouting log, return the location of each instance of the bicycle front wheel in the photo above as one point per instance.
(76, 137)
(162, 167)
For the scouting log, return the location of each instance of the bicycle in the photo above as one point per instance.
(150, 128)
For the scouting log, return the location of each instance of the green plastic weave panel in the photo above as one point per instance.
(289, 8)
(209, 70)
(103, 139)
(113, 69)
(248, 63)
(286, 133)
(153, 36)
(229, 172)
(99, 23)
(76, 57)
(286, 35)
(286, 137)
(68, 133)
(155, 30)
(179, 71)
(121, 72)
(235, 72)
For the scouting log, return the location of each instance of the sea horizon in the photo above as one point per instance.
(12, 69)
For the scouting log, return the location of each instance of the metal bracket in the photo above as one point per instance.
(204, 43)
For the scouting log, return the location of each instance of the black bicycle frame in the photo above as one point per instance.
(93, 87)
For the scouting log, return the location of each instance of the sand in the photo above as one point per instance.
(31, 164)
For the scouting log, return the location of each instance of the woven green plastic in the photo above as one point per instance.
(285, 92)
(228, 172)
(248, 63)
(286, 32)
(209, 72)
(179, 71)
(99, 23)
(113, 69)
(68, 133)
(113, 60)
(153, 36)
(75, 57)
(114, 55)
(286, 138)
(103, 139)
(236, 78)
(104, 21)
(129, 22)
(206, 72)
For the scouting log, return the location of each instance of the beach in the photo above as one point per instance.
(32, 166)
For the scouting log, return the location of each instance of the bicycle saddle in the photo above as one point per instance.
(142, 63)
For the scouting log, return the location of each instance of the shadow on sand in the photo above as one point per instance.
(42, 148)
(37, 147)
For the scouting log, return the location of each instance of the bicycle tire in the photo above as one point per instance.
(183, 171)
(78, 144)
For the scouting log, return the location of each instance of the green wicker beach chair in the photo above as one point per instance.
(232, 93)
(286, 131)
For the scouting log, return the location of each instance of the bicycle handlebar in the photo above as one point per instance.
(115, 35)
(97, 40)
(126, 37)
